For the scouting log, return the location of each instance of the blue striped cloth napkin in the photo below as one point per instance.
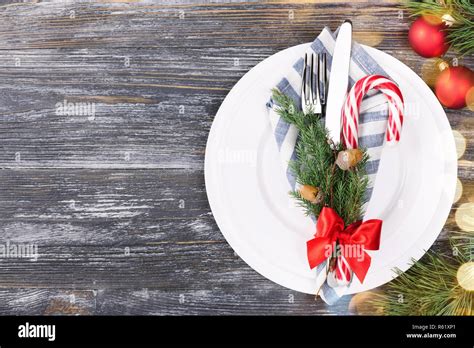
(372, 126)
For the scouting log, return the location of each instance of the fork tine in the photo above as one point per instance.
(308, 90)
(314, 88)
(314, 76)
(323, 83)
(303, 85)
(315, 83)
(310, 80)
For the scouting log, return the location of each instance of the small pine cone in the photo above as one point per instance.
(311, 193)
(348, 158)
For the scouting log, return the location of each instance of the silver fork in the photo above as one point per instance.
(323, 82)
(314, 86)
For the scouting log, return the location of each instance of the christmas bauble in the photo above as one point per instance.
(465, 276)
(427, 37)
(452, 86)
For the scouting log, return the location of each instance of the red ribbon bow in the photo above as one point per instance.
(353, 240)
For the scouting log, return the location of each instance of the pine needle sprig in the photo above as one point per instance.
(315, 165)
(463, 242)
(430, 286)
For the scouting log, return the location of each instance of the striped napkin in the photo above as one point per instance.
(372, 126)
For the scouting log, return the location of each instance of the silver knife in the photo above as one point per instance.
(338, 80)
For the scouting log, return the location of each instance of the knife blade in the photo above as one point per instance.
(338, 80)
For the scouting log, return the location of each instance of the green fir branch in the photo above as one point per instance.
(315, 165)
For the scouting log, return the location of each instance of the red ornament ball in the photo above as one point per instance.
(427, 37)
(452, 86)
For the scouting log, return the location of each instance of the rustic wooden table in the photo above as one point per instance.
(114, 196)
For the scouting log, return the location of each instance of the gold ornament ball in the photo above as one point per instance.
(431, 69)
(458, 194)
(367, 37)
(470, 99)
(465, 276)
(361, 303)
(460, 142)
(465, 217)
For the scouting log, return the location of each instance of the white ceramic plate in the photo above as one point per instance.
(248, 191)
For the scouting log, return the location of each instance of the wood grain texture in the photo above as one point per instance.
(116, 200)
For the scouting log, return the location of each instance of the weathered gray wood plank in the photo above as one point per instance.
(158, 302)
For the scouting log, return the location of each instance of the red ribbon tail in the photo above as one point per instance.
(360, 267)
(318, 249)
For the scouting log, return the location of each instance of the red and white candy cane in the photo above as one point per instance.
(341, 274)
(343, 271)
(350, 111)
